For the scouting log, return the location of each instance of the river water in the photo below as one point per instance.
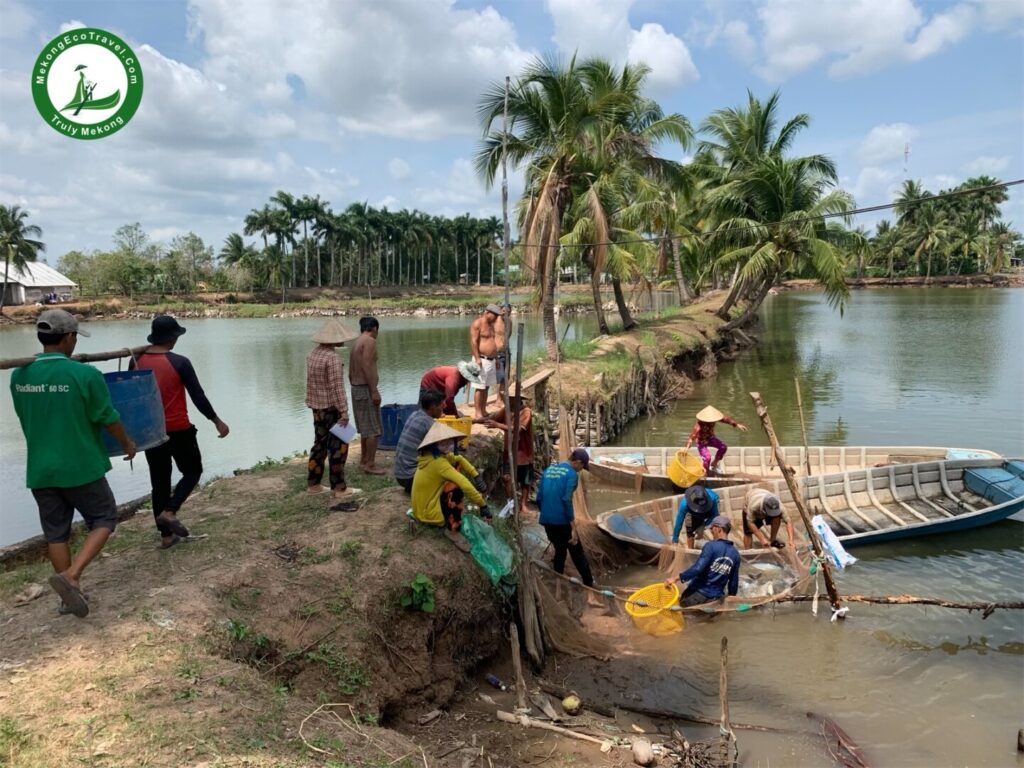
(253, 372)
(914, 686)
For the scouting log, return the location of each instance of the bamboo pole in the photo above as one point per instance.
(517, 665)
(803, 426)
(798, 500)
(726, 734)
(986, 609)
(85, 357)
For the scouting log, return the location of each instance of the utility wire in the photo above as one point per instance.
(840, 214)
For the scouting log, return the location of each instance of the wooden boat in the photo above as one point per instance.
(865, 506)
(643, 469)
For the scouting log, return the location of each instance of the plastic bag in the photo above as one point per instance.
(488, 549)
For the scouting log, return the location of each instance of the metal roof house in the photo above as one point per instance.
(31, 285)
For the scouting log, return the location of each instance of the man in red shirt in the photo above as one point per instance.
(524, 447)
(174, 377)
(449, 379)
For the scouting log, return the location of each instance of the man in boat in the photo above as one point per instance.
(362, 375)
(449, 379)
(62, 405)
(703, 433)
(554, 497)
(483, 343)
(413, 432)
(762, 507)
(174, 377)
(716, 571)
(698, 506)
(524, 447)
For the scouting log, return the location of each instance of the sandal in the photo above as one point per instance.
(174, 525)
(457, 539)
(70, 595)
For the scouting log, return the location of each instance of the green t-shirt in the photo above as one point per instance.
(62, 406)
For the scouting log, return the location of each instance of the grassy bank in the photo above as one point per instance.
(217, 651)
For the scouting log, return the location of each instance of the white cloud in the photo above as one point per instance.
(988, 165)
(666, 55)
(398, 168)
(885, 143)
(410, 70)
(738, 39)
(67, 26)
(856, 37)
(874, 186)
(16, 20)
(603, 29)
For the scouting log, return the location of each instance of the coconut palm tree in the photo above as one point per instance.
(286, 203)
(929, 233)
(779, 227)
(17, 243)
(907, 206)
(567, 120)
(887, 242)
(236, 251)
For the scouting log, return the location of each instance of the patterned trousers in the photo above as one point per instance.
(327, 447)
(705, 454)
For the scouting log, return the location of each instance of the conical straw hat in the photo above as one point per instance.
(440, 432)
(334, 332)
(710, 413)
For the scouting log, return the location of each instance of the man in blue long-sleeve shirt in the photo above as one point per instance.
(716, 571)
(554, 497)
(702, 504)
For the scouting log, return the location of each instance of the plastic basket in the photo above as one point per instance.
(463, 424)
(649, 609)
(685, 469)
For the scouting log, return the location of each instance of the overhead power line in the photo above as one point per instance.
(800, 220)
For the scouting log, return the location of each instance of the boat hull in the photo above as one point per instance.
(869, 506)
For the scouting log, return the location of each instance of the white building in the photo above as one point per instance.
(32, 284)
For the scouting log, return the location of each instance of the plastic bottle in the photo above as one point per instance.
(492, 680)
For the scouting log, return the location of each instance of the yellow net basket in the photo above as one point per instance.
(685, 469)
(649, 607)
(463, 424)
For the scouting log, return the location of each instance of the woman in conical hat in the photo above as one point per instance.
(325, 395)
(703, 433)
(442, 481)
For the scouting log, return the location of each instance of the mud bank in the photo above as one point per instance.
(220, 648)
(939, 281)
(637, 373)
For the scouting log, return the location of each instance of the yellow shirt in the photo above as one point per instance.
(429, 480)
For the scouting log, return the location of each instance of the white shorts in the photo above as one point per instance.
(488, 374)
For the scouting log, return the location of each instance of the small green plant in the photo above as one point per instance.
(348, 673)
(419, 594)
(237, 630)
(350, 551)
(311, 557)
(12, 739)
(189, 694)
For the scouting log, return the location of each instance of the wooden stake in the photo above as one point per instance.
(723, 697)
(517, 665)
(798, 499)
(85, 357)
(529, 722)
(803, 426)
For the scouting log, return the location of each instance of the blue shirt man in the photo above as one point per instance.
(554, 497)
(716, 571)
(702, 505)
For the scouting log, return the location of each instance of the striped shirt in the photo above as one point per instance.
(325, 384)
(408, 449)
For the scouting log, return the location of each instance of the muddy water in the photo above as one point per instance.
(914, 686)
(253, 371)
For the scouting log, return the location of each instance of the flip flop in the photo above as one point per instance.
(374, 470)
(70, 594)
(175, 539)
(344, 506)
(175, 525)
(346, 494)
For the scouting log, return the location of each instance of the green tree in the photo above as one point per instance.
(18, 243)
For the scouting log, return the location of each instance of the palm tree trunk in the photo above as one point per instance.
(437, 279)
(492, 264)
(478, 261)
(319, 268)
(753, 306)
(682, 287)
(628, 323)
(731, 299)
(305, 248)
(7, 274)
(595, 288)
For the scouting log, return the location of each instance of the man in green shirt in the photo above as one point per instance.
(62, 406)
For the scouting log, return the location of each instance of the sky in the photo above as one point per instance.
(375, 101)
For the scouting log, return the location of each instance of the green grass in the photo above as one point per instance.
(348, 673)
(12, 740)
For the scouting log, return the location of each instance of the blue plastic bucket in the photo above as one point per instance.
(137, 398)
(392, 422)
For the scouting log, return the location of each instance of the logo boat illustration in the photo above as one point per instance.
(83, 95)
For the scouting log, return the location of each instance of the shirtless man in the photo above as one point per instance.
(362, 375)
(483, 343)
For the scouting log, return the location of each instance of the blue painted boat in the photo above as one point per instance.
(865, 506)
